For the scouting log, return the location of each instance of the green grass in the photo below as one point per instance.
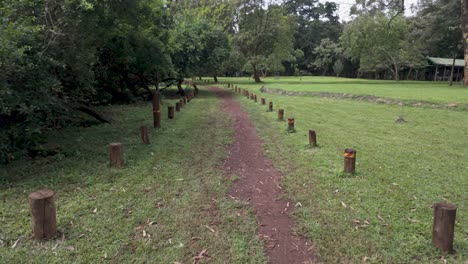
(175, 182)
(437, 92)
(402, 169)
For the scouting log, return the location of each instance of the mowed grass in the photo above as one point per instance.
(436, 92)
(382, 214)
(167, 205)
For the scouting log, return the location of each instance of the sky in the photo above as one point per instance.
(345, 5)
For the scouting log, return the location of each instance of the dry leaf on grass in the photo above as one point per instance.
(343, 204)
(211, 229)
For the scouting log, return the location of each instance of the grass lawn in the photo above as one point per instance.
(437, 92)
(383, 214)
(161, 208)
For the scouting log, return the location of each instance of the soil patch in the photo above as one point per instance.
(259, 185)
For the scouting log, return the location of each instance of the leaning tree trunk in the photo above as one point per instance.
(465, 38)
(179, 87)
(215, 79)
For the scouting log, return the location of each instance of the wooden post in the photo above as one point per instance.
(291, 124)
(443, 226)
(247, 94)
(170, 112)
(181, 103)
(229, 85)
(144, 134)
(270, 107)
(156, 109)
(255, 98)
(177, 107)
(251, 96)
(312, 138)
(44, 218)
(280, 114)
(116, 155)
(262, 101)
(185, 100)
(350, 161)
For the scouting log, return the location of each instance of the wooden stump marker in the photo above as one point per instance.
(262, 100)
(280, 114)
(156, 109)
(312, 138)
(350, 161)
(291, 124)
(116, 155)
(144, 134)
(270, 107)
(444, 226)
(255, 98)
(177, 107)
(181, 103)
(43, 214)
(170, 112)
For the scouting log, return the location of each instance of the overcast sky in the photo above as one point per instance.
(345, 5)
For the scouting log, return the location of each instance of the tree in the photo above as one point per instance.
(378, 44)
(315, 21)
(262, 31)
(326, 55)
(338, 67)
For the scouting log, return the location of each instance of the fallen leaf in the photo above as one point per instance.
(69, 248)
(95, 210)
(211, 229)
(364, 259)
(356, 221)
(344, 205)
(144, 233)
(16, 243)
(381, 218)
(298, 204)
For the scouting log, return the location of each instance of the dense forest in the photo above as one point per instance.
(59, 58)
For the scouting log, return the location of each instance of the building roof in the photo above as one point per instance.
(446, 61)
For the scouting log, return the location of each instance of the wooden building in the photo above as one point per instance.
(439, 69)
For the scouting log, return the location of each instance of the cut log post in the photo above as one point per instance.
(181, 103)
(280, 114)
(156, 109)
(251, 96)
(262, 100)
(43, 214)
(443, 226)
(177, 107)
(144, 134)
(116, 155)
(312, 138)
(255, 98)
(185, 100)
(170, 112)
(270, 107)
(291, 124)
(247, 94)
(350, 160)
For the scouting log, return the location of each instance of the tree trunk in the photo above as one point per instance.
(256, 74)
(215, 79)
(453, 68)
(409, 73)
(465, 38)
(179, 87)
(397, 77)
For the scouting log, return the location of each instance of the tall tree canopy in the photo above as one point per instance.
(263, 32)
(377, 44)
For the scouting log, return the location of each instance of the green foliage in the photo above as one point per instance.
(264, 33)
(338, 67)
(378, 44)
(326, 54)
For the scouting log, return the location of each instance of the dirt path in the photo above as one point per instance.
(259, 184)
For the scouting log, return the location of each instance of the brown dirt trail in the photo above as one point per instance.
(259, 185)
